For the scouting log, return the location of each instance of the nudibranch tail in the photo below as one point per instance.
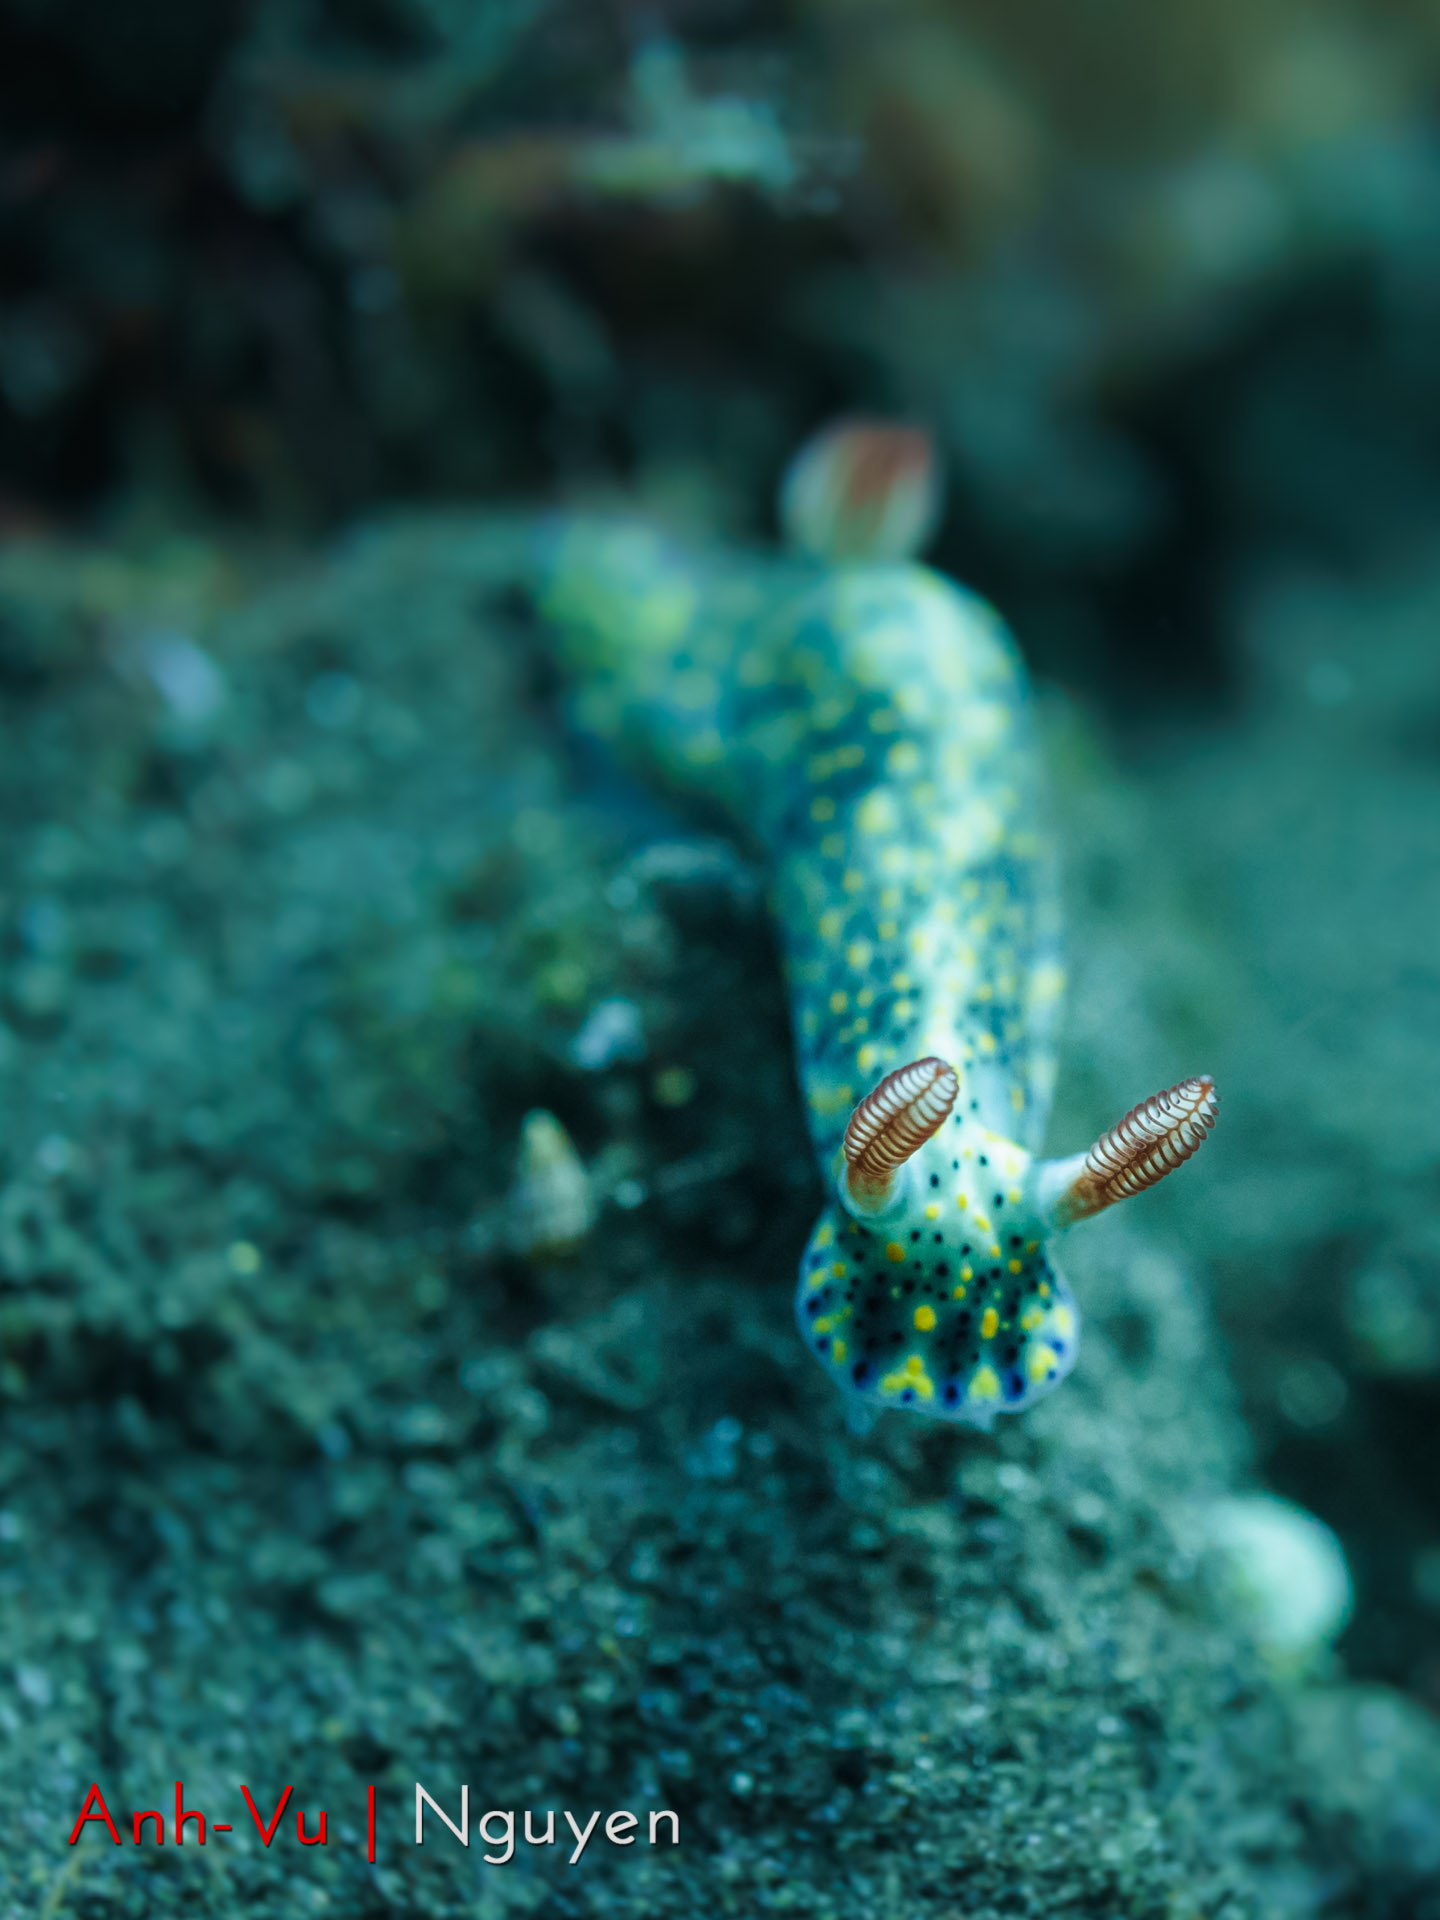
(1152, 1140)
(891, 1124)
(862, 490)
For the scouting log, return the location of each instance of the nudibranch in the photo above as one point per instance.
(867, 725)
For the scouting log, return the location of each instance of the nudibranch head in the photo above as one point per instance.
(928, 1283)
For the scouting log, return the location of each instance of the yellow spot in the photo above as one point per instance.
(849, 756)
(1013, 1196)
(884, 721)
(839, 1002)
(1040, 1361)
(984, 1384)
(867, 1056)
(859, 954)
(838, 1351)
(894, 1252)
(894, 859)
(987, 1040)
(1044, 1289)
(1032, 1246)
(961, 1201)
(1063, 1321)
(982, 1223)
(903, 759)
(989, 1324)
(865, 997)
(967, 1273)
(958, 1294)
(903, 1009)
(924, 1319)
(900, 982)
(887, 929)
(890, 898)
(824, 1323)
(838, 1269)
(877, 812)
(1047, 983)
(984, 991)
(823, 808)
(818, 1278)
(1017, 1098)
(932, 1212)
(994, 1252)
(825, 1234)
(833, 845)
(829, 1100)
(860, 1024)
(831, 923)
(1016, 1266)
(853, 881)
(1031, 1318)
(912, 1374)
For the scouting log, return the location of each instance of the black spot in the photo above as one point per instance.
(952, 1393)
(938, 1238)
(896, 1338)
(955, 1164)
(935, 1178)
(1014, 1387)
(1010, 1356)
(822, 1343)
(860, 1372)
(999, 1200)
(1015, 1240)
(983, 1161)
(966, 1247)
(914, 1233)
(813, 1306)
(943, 1271)
(908, 1394)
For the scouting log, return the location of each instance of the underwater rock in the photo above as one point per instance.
(1284, 1573)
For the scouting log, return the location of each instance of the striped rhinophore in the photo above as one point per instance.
(1152, 1140)
(893, 1122)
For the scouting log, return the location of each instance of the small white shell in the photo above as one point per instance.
(548, 1209)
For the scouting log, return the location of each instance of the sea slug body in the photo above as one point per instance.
(867, 724)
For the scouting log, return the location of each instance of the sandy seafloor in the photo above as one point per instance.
(316, 1470)
(308, 1477)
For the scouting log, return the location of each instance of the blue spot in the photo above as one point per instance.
(1014, 1386)
(952, 1393)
